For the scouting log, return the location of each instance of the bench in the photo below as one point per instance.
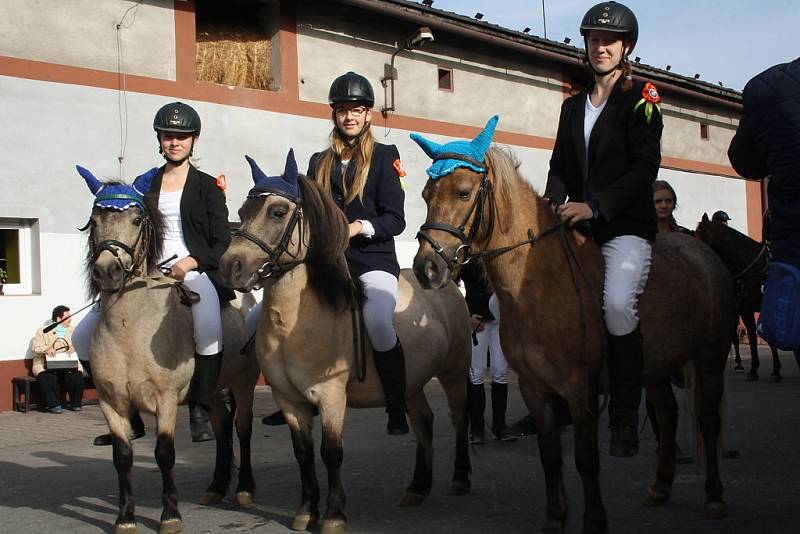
(22, 399)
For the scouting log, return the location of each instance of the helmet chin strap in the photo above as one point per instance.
(353, 141)
(179, 162)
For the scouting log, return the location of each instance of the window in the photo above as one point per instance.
(19, 246)
(704, 131)
(234, 43)
(445, 79)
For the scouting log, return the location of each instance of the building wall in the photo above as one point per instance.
(83, 33)
(66, 106)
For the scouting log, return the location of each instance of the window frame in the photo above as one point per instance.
(27, 231)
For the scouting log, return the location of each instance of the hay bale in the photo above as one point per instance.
(238, 56)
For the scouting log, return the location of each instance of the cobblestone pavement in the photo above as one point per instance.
(52, 479)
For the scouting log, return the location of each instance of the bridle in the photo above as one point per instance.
(113, 246)
(748, 272)
(272, 268)
(484, 195)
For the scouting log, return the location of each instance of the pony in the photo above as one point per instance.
(144, 361)
(292, 241)
(548, 281)
(747, 260)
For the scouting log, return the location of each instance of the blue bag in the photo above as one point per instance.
(779, 322)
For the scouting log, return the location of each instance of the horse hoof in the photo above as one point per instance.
(125, 528)
(751, 377)
(303, 521)
(716, 510)
(656, 497)
(212, 497)
(170, 526)
(775, 378)
(459, 487)
(334, 526)
(738, 368)
(411, 498)
(244, 499)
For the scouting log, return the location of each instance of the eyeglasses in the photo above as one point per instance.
(355, 112)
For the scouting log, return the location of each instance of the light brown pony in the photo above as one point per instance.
(142, 354)
(305, 342)
(548, 283)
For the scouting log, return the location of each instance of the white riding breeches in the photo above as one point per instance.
(206, 319)
(380, 290)
(488, 339)
(627, 264)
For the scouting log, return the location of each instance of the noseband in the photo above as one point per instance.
(271, 268)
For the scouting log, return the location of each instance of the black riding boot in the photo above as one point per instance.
(499, 405)
(201, 390)
(391, 367)
(625, 363)
(476, 403)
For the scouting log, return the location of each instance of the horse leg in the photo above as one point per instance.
(120, 429)
(222, 424)
(331, 416)
(750, 325)
(542, 407)
(587, 456)
(708, 397)
(420, 416)
(776, 366)
(165, 458)
(662, 398)
(737, 359)
(455, 388)
(243, 400)
(299, 418)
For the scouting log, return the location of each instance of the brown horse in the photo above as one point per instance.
(548, 281)
(142, 352)
(747, 260)
(305, 341)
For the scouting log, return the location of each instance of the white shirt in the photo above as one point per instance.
(170, 205)
(590, 115)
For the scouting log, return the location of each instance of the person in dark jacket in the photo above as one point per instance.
(486, 339)
(767, 143)
(364, 179)
(196, 235)
(606, 157)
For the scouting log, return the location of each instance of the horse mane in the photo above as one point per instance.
(509, 184)
(155, 244)
(727, 242)
(328, 272)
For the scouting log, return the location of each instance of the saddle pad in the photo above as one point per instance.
(779, 321)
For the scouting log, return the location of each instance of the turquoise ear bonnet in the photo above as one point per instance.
(474, 150)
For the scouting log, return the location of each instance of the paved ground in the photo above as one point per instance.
(52, 479)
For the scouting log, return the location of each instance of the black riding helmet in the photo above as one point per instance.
(612, 17)
(351, 87)
(177, 117)
(720, 216)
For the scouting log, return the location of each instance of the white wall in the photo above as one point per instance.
(83, 33)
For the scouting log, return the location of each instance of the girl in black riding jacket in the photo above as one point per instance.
(606, 157)
(364, 179)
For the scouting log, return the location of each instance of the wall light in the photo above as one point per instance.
(416, 40)
(479, 16)
(526, 30)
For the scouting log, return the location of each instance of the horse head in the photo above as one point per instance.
(121, 232)
(285, 221)
(459, 196)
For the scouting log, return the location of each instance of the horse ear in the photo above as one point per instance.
(430, 148)
(256, 171)
(482, 142)
(142, 182)
(290, 170)
(705, 217)
(94, 184)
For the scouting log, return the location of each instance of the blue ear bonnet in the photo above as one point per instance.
(118, 197)
(284, 185)
(473, 152)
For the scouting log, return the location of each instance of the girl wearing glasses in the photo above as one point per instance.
(363, 177)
